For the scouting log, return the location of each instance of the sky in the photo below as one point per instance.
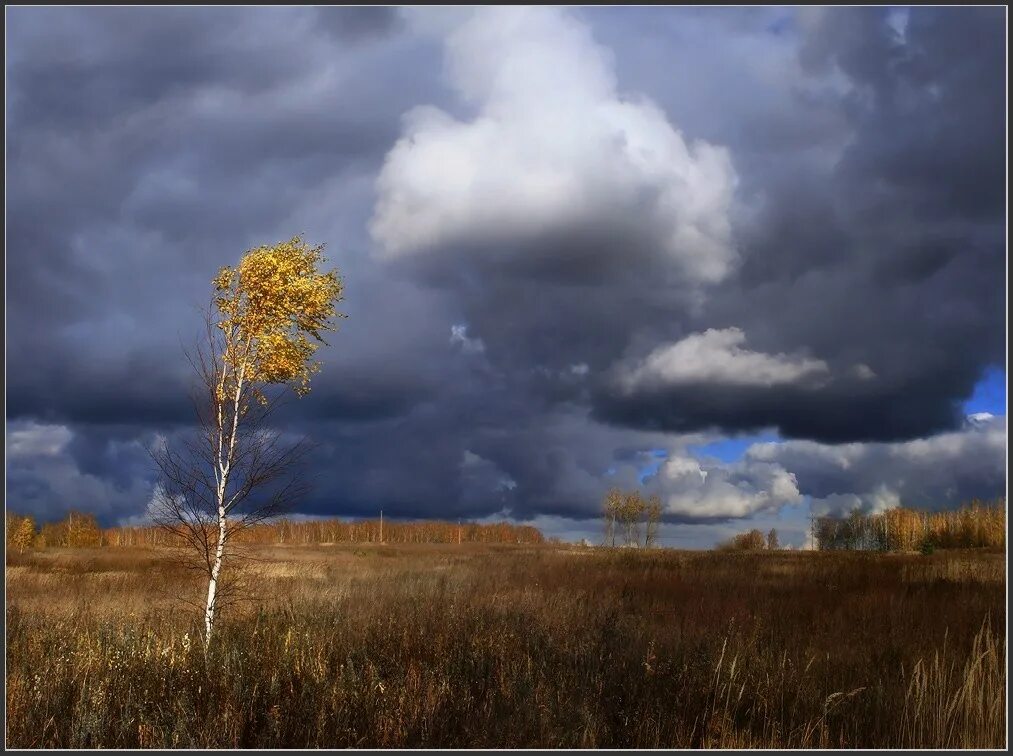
(751, 260)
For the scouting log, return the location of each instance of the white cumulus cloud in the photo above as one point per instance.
(717, 356)
(551, 149)
(935, 473)
(691, 488)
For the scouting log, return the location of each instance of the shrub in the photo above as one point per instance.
(751, 541)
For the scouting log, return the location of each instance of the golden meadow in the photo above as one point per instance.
(468, 644)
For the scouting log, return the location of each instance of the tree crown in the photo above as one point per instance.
(274, 306)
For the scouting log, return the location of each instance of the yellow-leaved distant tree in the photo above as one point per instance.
(20, 532)
(624, 510)
(82, 530)
(630, 514)
(264, 326)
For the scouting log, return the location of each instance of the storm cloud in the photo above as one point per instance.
(577, 244)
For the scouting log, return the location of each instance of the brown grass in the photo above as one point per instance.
(499, 646)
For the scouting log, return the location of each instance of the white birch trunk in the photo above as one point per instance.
(216, 568)
(226, 453)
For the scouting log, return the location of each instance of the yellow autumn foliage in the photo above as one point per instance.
(975, 524)
(274, 307)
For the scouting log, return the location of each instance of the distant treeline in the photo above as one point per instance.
(78, 530)
(82, 530)
(974, 525)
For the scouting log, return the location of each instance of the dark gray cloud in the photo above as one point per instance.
(142, 152)
(353, 25)
(538, 215)
(52, 469)
(870, 259)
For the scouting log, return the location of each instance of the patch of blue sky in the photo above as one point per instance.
(726, 450)
(652, 467)
(989, 393)
(732, 449)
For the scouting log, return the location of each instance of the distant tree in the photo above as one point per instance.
(654, 512)
(630, 513)
(261, 333)
(81, 531)
(20, 532)
(611, 511)
(11, 523)
(772, 542)
(751, 541)
(854, 530)
(623, 512)
(25, 536)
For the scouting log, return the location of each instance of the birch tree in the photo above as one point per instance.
(630, 512)
(610, 511)
(653, 512)
(262, 329)
(772, 541)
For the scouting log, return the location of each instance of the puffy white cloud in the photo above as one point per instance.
(980, 418)
(935, 473)
(697, 489)
(938, 472)
(552, 150)
(677, 467)
(717, 356)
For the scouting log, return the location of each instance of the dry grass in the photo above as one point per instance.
(495, 646)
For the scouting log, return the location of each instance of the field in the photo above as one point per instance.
(499, 646)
